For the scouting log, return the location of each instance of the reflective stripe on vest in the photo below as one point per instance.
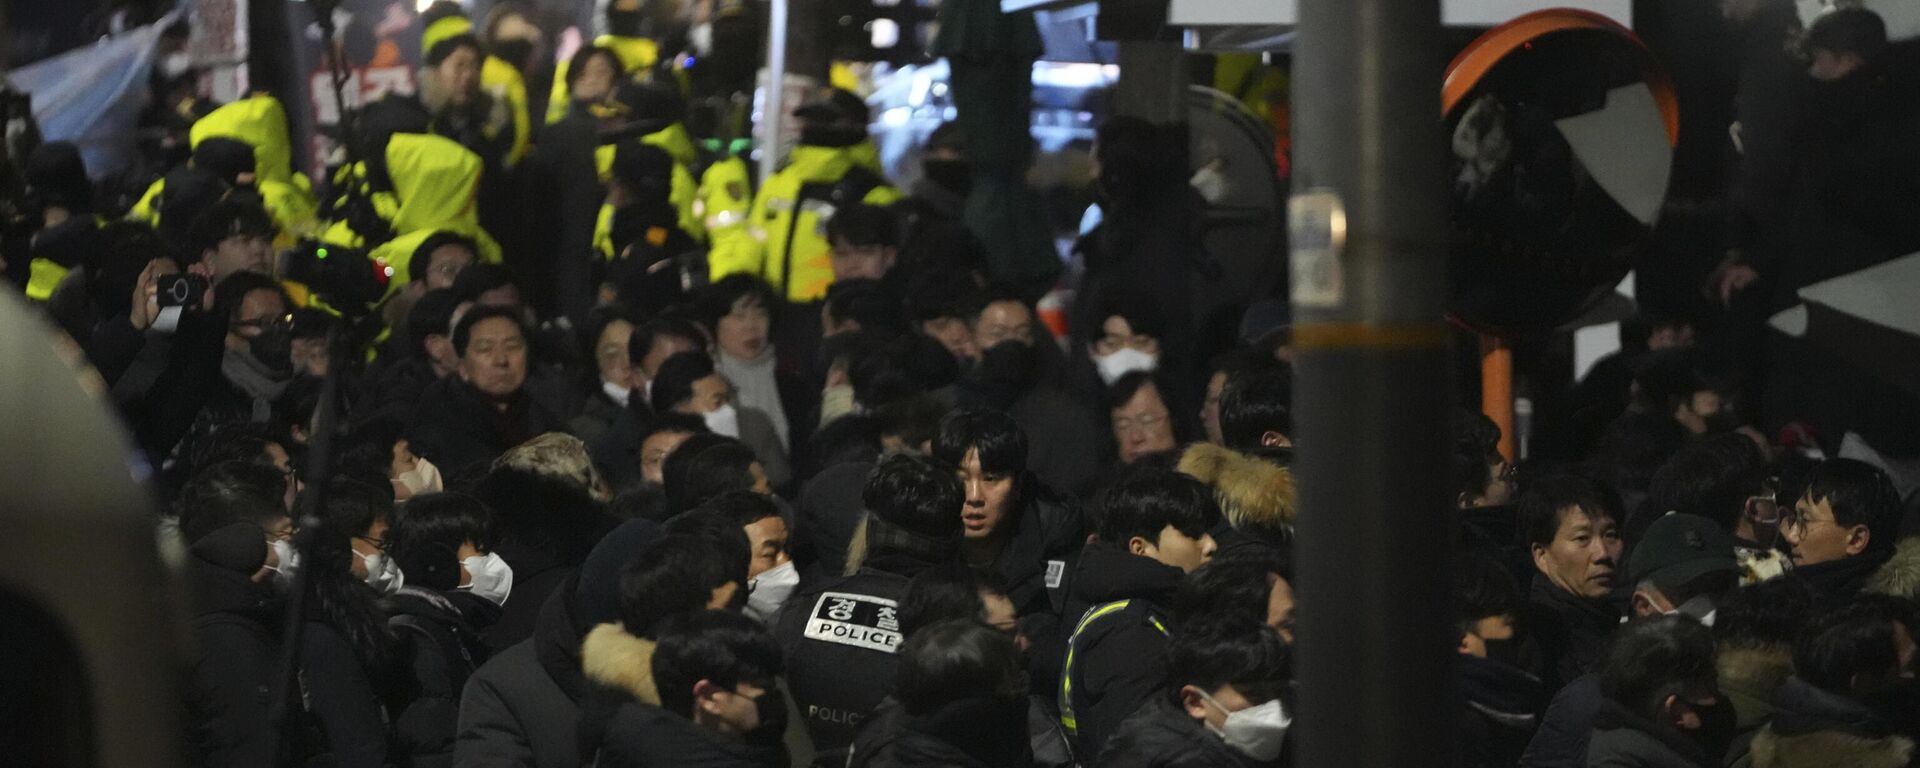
(1067, 719)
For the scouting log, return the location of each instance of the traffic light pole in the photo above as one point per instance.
(1368, 227)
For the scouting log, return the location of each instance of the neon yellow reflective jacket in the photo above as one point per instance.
(790, 217)
(261, 122)
(509, 86)
(725, 199)
(637, 54)
(436, 183)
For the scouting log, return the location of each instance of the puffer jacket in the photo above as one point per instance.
(1812, 728)
(520, 708)
(1161, 735)
(1900, 576)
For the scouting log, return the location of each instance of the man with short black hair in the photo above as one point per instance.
(652, 343)
(1501, 700)
(1843, 528)
(1572, 528)
(719, 702)
(234, 236)
(866, 242)
(467, 420)
(1153, 530)
(1662, 706)
(841, 635)
(1222, 704)
(1849, 701)
(1026, 532)
(1256, 410)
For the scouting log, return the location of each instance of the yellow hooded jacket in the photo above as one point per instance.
(637, 54)
(436, 182)
(789, 219)
(261, 122)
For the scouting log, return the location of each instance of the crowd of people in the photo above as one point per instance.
(631, 465)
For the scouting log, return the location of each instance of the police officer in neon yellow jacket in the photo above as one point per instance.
(834, 165)
(501, 79)
(643, 56)
(436, 183)
(260, 122)
(651, 114)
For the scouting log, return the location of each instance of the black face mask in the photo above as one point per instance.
(1723, 421)
(273, 348)
(955, 176)
(516, 51)
(772, 707)
(1718, 726)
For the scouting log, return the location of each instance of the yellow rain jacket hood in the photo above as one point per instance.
(436, 182)
(261, 122)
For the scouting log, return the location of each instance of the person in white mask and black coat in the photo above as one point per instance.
(690, 383)
(1224, 705)
(347, 652)
(455, 588)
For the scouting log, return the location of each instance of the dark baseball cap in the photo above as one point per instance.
(1679, 548)
(836, 105)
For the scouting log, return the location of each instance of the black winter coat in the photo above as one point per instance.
(461, 432)
(1500, 713)
(840, 638)
(343, 698)
(1566, 727)
(1119, 660)
(645, 736)
(1571, 631)
(439, 636)
(520, 708)
(1623, 739)
(968, 733)
(1162, 735)
(236, 632)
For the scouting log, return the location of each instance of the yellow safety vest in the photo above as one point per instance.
(1067, 719)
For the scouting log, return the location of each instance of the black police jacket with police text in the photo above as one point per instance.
(841, 638)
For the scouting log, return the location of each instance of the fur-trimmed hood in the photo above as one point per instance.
(1251, 491)
(1750, 674)
(612, 658)
(1829, 749)
(1901, 575)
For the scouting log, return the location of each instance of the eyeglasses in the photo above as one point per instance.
(283, 322)
(379, 544)
(1146, 422)
(1107, 345)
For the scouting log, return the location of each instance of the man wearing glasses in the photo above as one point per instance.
(1843, 528)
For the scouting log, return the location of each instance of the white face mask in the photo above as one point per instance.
(771, 590)
(616, 393)
(383, 573)
(724, 421)
(175, 64)
(423, 479)
(701, 38)
(1123, 362)
(1257, 732)
(289, 562)
(491, 577)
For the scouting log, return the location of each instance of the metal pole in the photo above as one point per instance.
(773, 116)
(1368, 229)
